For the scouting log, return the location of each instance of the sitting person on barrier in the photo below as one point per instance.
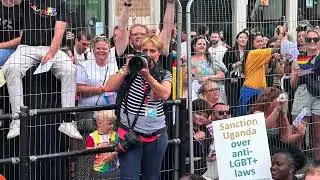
(10, 36)
(105, 164)
(44, 26)
(303, 97)
(142, 87)
(285, 164)
(93, 74)
(204, 67)
(272, 102)
(312, 172)
(255, 71)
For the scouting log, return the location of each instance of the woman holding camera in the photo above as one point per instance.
(142, 126)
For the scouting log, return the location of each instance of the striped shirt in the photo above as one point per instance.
(135, 96)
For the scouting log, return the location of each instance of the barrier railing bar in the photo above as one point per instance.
(12, 160)
(72, 153)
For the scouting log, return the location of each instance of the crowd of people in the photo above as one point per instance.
(258, 74)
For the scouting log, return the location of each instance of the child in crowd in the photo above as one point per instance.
(105, 164)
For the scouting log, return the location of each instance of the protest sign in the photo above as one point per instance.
(242, 148)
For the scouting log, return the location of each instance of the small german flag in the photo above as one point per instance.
(304, 59)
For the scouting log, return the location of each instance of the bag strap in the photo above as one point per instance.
(137, 115)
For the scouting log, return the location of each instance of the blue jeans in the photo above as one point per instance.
(146, 159)
(246, 94)
(4, 55)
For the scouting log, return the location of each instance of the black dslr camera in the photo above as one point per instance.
(131, 140)
(139, 61)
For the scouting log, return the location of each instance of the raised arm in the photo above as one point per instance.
(122, 40)
(168, 21)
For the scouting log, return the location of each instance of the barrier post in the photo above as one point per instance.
(24, 143)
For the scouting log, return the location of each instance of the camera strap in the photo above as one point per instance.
(146, 92)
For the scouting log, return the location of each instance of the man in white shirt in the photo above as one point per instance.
(81, 50)
(217, 50)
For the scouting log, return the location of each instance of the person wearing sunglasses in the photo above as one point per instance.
(280, 132)
(129, 42)
(220, 111)
(303, 98)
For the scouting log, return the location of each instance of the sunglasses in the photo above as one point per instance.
(315, 40)
(221, 113)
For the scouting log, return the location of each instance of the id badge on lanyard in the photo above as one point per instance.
(150, 111)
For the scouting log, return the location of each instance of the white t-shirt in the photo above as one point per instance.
(81, 57)
(217, 53)
(89, 73)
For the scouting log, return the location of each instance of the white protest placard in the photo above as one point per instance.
(242, 148)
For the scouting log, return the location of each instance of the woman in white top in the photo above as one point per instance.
(94, 73)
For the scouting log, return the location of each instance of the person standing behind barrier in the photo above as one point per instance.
(285, 163)
(93, 74)
(44, 26)
(210, 92)
(235, 59)
(255, 75)
(142, 125)
(204, 67)
(220, 111)
(131, 43)
(81, 50)
(105, 164)
(280, 133)
(302, 98)
(10, 24)
(201, 112)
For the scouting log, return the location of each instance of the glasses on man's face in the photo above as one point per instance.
(310, 40)
(223, 113)
(213, 90)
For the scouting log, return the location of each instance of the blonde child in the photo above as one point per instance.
(105, 164)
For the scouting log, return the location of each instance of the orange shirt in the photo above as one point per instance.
(255, 68)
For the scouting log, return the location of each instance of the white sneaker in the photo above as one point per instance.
(70, 129)
(14, 129)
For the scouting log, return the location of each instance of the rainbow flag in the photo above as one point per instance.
(303, 59)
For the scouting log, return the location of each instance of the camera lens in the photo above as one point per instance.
(136, 64)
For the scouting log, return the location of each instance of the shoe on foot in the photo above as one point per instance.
(70, 129)
(14, 129)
